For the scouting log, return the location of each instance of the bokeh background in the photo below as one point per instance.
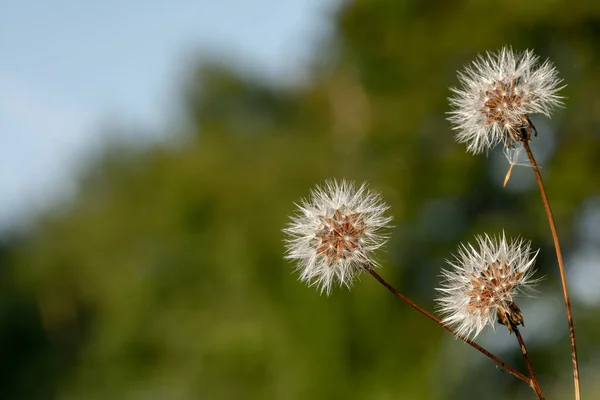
(151, 154)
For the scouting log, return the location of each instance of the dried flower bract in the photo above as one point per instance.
(499, 91)
(334, 233)
(482, 283)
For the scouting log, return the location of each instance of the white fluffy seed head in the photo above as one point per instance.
(482, 283)
(334, 233)
(498, 93)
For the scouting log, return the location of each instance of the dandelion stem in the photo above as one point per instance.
(535, 385)
(561, 266)
(505, 367)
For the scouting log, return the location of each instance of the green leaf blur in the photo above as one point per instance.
(164, 278)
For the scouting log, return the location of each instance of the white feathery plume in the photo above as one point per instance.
(498, 93)
(334, 233)
(482, 283)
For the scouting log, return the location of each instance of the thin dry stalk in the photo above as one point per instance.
(505, 367)
(561, 267)
(535, 385)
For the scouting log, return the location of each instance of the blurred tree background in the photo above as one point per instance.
(164, 277)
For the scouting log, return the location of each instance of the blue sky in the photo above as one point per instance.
(68, 66)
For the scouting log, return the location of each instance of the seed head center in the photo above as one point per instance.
(501, 99)
(340, 236)
(492, 286)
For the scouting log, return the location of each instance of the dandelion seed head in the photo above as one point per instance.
(498, 93)
(482, 284)
(334, 233)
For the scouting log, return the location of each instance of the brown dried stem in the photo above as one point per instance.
(534, 382)
(505, 367)
(561, 266)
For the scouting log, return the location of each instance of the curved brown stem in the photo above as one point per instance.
(561, 266)
(505, 367)
(534, 382)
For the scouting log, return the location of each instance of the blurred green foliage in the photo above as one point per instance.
(164, 277)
